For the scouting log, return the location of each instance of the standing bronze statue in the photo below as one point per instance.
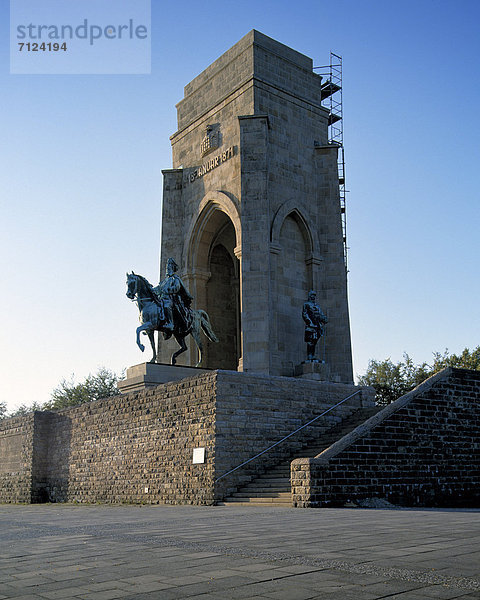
(167, 309)
(314, 324)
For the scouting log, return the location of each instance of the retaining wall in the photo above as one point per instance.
(422, 450)
(16, 449)
(138, 447)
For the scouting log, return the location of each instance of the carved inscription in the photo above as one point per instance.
(212, 164)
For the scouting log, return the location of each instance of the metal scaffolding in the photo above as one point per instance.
(332, 99)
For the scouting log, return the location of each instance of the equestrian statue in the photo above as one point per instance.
(167, 308)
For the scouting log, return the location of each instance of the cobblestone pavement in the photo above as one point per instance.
(103, 552)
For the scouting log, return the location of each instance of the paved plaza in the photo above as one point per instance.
(104, 552)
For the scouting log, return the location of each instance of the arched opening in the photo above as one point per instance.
(213, 271)
(293, 279)
(223, 302)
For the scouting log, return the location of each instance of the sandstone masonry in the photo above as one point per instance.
(251, 210)
(138, 447)
(421, 450)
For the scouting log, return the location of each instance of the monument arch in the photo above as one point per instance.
(253, 198)
(212, 271)
(205, 223)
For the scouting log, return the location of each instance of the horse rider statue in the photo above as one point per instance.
(167, 308)
(175, 300)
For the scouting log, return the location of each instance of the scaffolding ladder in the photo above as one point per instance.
(332, 99)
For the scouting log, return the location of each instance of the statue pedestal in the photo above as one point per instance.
(318, 371)
(148, 375)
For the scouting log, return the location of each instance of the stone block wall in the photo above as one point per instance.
(138, 447)
(16, 444)
(42, 422)
(422, 450)
(216, 82)
(256, 411)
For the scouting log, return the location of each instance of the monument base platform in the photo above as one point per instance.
(192, 441)
(148, 375)
(144, 446)
(318, 371)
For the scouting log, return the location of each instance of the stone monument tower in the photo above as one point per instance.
(251, 210)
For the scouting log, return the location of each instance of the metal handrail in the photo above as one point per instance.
(287, 436)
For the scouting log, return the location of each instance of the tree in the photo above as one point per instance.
(392, 380)
(101, 385)
(468, 359)
(68, 393)
(25, 409)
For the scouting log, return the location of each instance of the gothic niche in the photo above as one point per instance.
(293, 279)
(223, 301)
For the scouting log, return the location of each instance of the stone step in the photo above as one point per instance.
(273, 487)
(259, 501)
(269, 480)
(267, 490)
(252, 489)
(281, 469)
(254, 493)
(269, 483)
(265, 505)
(260, 494)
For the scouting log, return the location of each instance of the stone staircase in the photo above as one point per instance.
(273, 487)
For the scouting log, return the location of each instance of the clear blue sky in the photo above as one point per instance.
(81, 181)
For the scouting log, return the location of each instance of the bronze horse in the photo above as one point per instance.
(152, 318)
